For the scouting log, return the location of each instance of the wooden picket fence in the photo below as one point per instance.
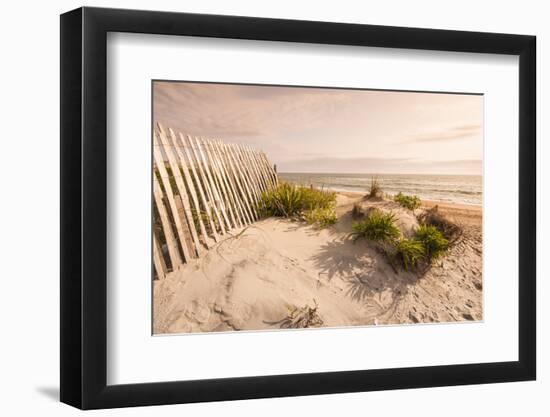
(202, 190)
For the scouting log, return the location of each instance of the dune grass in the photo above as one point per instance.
(428, 243)
(410, 202)
(284, 201)
(435, 244)
(410, 252)
(322, 217)
(315, 206)
(378, 226)
(375, 189)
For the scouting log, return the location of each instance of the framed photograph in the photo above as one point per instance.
(260, 208)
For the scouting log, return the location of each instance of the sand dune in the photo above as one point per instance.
(255, 278)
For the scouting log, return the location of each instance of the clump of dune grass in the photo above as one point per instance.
(284, 201)
(427, 244)
(435, 244)
(311, 204)
(321, 217)
(315, 198)
(410, 252)
(378, 227)
(431, 239)
(410, 202)
(375, 189)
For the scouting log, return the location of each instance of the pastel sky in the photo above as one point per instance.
(332, 130)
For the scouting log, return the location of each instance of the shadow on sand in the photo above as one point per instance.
(363, 269)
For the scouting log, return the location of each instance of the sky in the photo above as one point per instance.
(332, 130)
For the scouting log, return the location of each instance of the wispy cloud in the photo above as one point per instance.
(452, 133)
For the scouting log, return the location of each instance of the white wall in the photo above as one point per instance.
(29, 174)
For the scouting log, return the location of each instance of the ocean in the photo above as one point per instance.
(465, 189)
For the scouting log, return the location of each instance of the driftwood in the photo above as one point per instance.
(299, 318)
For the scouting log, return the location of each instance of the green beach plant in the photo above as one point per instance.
(284, 201)
(375, 190)
(435, 244)
(378, 226)
(315, 198)
(289, 200)
(409, 252)
(410, 202)
(322, 217)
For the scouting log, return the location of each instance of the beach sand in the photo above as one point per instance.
(255, 277)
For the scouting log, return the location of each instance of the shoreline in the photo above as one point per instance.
(424, 203)
(374, 174)
(464, 214)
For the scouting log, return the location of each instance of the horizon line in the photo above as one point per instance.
(375, 174)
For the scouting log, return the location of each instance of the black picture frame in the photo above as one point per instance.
(84, 207)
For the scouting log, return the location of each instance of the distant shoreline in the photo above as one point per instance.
(370, 174)
(424, 202)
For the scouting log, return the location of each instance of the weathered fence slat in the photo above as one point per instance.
(249, 165)
(159, 161)
(233, 179)
(268, 168)
(194, 165)
(171, 242)
(254, 169)
(176, 173)
(171, 136)
(233, 186)
(256, 180)
(211, 186)
(158, 259)
(271, 169)
(229, 176)
(227, 187)
(222, 183)
(218, 185)
(240, 179)
(262, 169)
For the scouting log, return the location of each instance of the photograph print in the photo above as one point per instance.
(286, 207)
